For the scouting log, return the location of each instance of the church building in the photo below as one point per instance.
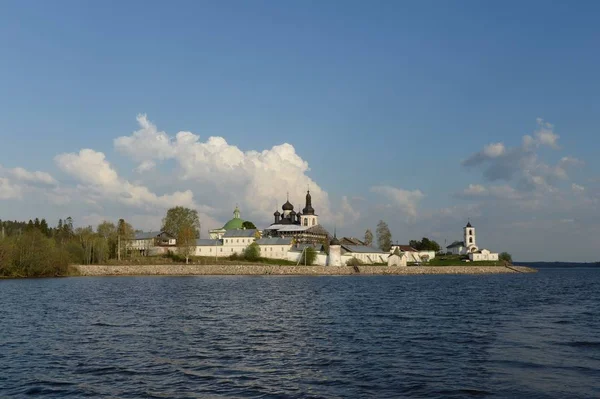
(237, 223)
(302, 226)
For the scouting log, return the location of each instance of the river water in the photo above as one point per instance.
(502, 336)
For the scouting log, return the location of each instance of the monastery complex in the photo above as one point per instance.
(292, 232)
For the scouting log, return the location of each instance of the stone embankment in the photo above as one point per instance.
(222, 270)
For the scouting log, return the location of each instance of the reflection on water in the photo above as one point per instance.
(385, 336)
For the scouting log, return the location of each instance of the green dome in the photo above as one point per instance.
(236, 222)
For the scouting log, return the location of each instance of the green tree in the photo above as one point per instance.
(368, 237)
(248, 225)
(44, 228)
(125, 233)
(179, 217)
(425, 245)
(384, 236)
(186, 241)
(252, 252)
(309, 255)
(107, 241)
(505, 257)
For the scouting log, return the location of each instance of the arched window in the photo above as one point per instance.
(306, 222)
(470, 240)
(314, 222)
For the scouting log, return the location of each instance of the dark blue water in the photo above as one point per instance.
(501, 336)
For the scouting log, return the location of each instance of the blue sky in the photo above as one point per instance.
(371, 95)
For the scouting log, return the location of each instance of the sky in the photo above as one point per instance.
(424, 114)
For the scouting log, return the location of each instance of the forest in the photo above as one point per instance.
(34, 249)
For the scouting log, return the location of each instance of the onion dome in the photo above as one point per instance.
(334, 240)
(287, 206)
(277, 213)
(308, 209)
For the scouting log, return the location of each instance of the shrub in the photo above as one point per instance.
(252, 252)
(308, 256)
(505, 257)
(354, 262)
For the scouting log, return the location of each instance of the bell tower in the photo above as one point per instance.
(469, 238)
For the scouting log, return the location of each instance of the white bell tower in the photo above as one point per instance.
(469, 238)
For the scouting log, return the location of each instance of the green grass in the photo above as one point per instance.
(458, 260)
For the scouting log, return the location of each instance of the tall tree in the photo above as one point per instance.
(186, 241)
(384, 236)
(44, 227)
(125, 233)
(107, 234)
(368, 237)
(178, 218)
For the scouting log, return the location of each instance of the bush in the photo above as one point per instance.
(354, 262)
(252, 252)
(308, 256)
(505, 257)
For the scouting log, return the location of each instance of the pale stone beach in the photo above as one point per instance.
(188, 270)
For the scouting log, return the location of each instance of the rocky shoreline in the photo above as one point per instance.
(246, 270)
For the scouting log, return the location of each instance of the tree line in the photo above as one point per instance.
(34, 249)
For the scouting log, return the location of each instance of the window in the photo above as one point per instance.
(210, 250)
(237, 240)
(471, 240)
(306, 222)
(231, 249)
(221, 249)
(314, 222)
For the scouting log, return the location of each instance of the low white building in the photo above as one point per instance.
(236, 241)
(483, 255)
(397, 258)
(413, 255)
(274, 247)
(364, 253)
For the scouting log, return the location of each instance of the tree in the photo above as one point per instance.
(252, 252)
(180, 217)
(186, 241)
(384, 236)
(125, 232)
(248, 225)
(425, 245)
(505, 257)
(44, 227)
(309, 255)
(107, 235)
(368, 237)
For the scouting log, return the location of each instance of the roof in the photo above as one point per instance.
(334, 241)
(405, 248)
(233, 224)
(240, 233)
(205, 242)
(351, 241)
(146, 236)
(469, 224)
(301, 247)
(287, 227)
(287, 206)
(363, 249)
(456, 244)
(274, 241)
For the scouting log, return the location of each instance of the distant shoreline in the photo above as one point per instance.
(256, 270)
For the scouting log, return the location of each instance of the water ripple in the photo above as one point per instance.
(302, 337)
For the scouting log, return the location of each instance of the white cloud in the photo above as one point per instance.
(32, 177)
(9, 190)
(494, 150)
(100, 180)
(577, 188)
(258, 180)
(407, 201)
(522, 164)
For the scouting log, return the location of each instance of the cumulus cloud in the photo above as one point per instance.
(99, 180)
(577, 188)
(32, 177)
(9, 190)
(407, 201)
(522, 164)
(258, 180)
